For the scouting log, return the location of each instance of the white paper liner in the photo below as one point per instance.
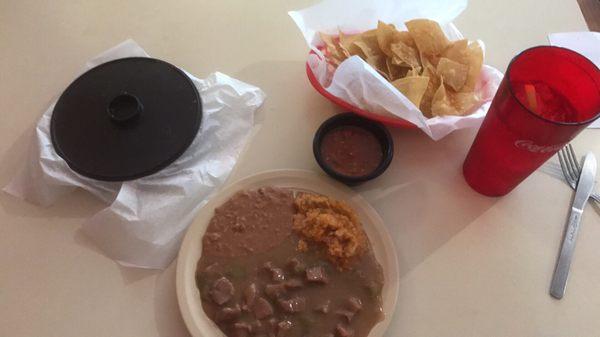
(146, 218)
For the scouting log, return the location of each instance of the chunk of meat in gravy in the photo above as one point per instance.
(241, 329)
(262, 308)
(347, 314)
(294, 304)
(239, 226)
(343, 331)
(324, 307)
(275, 291)
(222, 291)
(293, 284)
(316, 274)
(228, 314)
(277, 274)
(283, 328)
(250, 294)
(211, 268)
(354, 304)
(243, 326)
(257, 327)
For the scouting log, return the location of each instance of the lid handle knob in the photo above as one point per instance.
(124, 108)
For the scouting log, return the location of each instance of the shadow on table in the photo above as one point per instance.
(425, 200)
(167, 316)
(129, 275)
(78, 204)
(168, 319)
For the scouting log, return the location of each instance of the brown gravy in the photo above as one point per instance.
(351, 151)
(263, 286)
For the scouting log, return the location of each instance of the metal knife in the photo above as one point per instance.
(585, 186)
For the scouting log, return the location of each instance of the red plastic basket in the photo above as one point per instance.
(387, 120)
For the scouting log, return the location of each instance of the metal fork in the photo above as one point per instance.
(571, 168)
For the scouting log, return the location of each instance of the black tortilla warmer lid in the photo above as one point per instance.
(126, 119)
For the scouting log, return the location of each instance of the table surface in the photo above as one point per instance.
(470, 265)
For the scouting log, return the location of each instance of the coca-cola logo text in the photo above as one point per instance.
(532, 147)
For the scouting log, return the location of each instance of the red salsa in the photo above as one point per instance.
(351, 151)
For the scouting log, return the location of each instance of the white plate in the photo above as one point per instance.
(188, 295)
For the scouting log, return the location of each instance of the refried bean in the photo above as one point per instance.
(351, 151)
(255, 281)
(240, 226)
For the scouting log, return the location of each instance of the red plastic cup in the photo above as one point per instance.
(548, 95)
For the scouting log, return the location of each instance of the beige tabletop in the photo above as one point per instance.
(470, 265)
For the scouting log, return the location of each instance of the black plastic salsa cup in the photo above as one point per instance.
(350, 119)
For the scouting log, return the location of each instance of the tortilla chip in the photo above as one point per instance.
(405, 38)
(364, 48)
(370, 33)
(463, 102)
(345, 52)
(429, 61)
(457, 51)
(447, 102)
(432, 59)
(469, 54)
(415, 71)
(475, 63)
(435, 74)
(440, 104)
(434, 83)
(384, 74)
(378, 63)
(335, 55)
(327, 39)
(454, 73)
(385, 37)
(368, 43)
(428, 36)
(395, 71)
(403, 54)
(347, 45)
(333, 61)
(413, 87)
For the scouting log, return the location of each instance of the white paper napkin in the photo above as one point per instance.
(146, 218)
(356, 82)
(585, 43)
